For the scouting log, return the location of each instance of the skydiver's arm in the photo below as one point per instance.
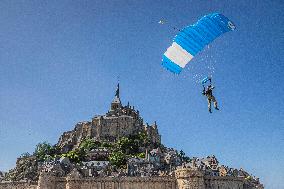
(203, 92)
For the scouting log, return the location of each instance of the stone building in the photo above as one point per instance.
(93, 168)
(119, 121)
(98, 154)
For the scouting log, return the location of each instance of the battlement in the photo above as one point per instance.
(187, 173)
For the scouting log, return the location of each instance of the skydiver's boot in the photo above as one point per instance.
(210, 110)
(215, 104)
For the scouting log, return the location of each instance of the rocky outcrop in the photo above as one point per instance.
(71, 139)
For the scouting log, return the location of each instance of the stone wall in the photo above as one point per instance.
(18, 185)
(223, 182)
(49, 181)
(75, 181)
(111, 128)
(183, 179)
(123, 183)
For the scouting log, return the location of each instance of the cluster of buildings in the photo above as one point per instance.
(160, 161)
(157, 162)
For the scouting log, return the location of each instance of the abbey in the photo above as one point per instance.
(119, 121)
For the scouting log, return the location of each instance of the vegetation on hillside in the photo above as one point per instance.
(119, 152)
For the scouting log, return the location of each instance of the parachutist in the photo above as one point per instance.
(209, 94)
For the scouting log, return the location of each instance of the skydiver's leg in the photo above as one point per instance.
(215, 103)
(209, 104)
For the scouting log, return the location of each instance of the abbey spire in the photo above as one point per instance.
(116, 103)
(117, 91)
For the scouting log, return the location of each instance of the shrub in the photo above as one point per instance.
(43, 149)
(117, 159)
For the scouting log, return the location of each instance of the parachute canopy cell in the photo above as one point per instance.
(192, 39)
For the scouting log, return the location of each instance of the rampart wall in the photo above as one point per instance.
(18, 185)
(223, 182)
(183, 179)
(123, 183)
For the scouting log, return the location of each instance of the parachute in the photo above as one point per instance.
(192, 39)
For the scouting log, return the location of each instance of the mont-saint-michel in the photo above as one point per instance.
(119, 150)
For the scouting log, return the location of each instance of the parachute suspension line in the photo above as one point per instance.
(206, 79)
(162, 22)
(175, 28)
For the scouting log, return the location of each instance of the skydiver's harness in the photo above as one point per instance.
(207, 92)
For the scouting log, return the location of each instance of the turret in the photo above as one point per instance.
(189, 178)
(73, 179)
(46, 180)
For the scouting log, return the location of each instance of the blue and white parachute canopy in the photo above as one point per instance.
(192, 39)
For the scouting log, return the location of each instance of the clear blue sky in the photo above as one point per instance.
(59, 63)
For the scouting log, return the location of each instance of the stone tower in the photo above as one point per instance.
(73, 180)
(116, 103)
(188, 178)
(46, 180)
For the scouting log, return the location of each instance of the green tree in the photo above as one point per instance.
(25, 155)
(75, 156)
(117, 159)
(124, 144)
(143, 139)
(183, 157)
(89, 144)
(43, 149)
(131, 145)
(107, 145)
